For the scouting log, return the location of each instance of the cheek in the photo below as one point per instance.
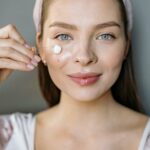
(56, 60)
(112, 56)
(114, 60)
(114, 65)
(111, 60)
(111, 65)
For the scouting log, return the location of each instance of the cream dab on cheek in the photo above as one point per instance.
(60, 53)
(56, 49)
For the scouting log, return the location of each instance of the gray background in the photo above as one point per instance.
(21, 91)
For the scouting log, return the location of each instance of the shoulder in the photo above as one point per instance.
(139, 127)
(14, 126)
(133, 117)
(45, 117)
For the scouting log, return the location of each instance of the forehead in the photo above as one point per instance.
(84, 11)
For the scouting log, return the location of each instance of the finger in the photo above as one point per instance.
(17, 46)
(15, 65)
(10, 31)
(6, 52)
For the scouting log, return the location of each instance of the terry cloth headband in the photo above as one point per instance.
(37, 14)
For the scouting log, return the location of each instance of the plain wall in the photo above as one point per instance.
(21, 90)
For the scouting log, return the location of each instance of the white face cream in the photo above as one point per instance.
(56, 49)
(60, 54)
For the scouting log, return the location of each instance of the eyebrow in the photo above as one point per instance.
(73, 27)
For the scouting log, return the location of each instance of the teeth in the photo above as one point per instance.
(57, 49)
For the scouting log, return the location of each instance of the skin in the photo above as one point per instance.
(15, 53)
(88, 53)
(86, 115)
(87, 118)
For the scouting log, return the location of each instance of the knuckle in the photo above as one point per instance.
(10, 52)
(11, 27)
(12, 41)
(5, 61)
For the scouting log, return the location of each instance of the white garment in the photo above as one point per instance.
(22, 136)
(23, 129)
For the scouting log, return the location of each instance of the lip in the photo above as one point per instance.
(84, 79)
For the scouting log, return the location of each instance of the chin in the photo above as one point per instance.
(86, 96)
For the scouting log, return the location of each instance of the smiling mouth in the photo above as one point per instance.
(85, 79)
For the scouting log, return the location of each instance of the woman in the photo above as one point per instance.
(85, 75)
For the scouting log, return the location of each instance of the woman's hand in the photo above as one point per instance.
(15, 54)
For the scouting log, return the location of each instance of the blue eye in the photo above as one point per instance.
(63, 37)
(105, 37)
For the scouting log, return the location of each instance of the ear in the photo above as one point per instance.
(39, 45)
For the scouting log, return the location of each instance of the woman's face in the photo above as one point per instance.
(91, 35)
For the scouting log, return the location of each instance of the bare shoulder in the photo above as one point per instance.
(46, 116)
(136, 116)
(133, 119)
(132, 124)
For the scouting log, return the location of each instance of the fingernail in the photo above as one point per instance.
(30, 66)
(34, 62)
(27, 46)
(37, 58)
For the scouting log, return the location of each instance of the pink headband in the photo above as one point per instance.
(37, 13)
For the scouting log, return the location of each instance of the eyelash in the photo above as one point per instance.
(110, 37)
(57, 37)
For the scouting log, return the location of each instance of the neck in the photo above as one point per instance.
(78, 114)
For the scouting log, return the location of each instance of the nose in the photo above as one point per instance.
(85, 55)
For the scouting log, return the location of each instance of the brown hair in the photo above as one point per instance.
(124, 90)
